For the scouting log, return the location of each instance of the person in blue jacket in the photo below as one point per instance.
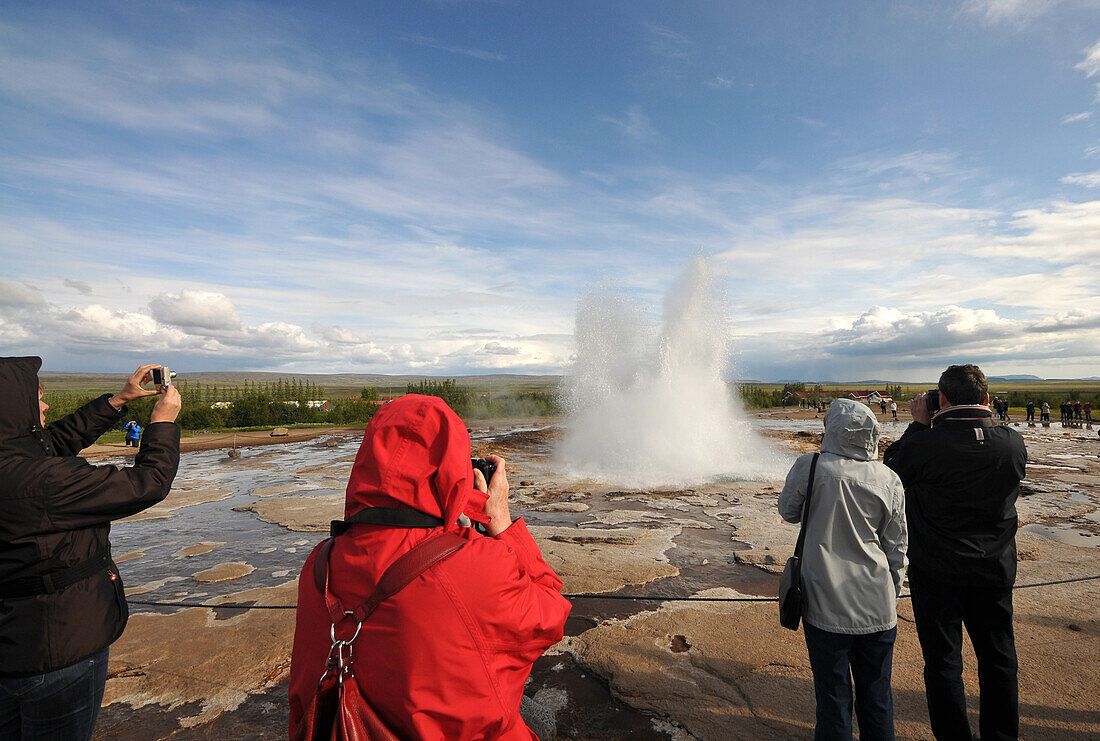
(133, 433)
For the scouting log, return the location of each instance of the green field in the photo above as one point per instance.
(478, 397)
(335, 384)
(264, 400)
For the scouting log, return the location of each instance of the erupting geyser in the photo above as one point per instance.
(652, 408)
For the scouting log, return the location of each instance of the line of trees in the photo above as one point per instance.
(288, 401)
(469, 404)
(210, 407)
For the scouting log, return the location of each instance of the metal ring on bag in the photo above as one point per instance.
(332, 633)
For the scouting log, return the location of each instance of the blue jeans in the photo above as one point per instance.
(61, 705)
(837, 658)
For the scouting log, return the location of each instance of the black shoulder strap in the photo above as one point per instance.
(391, 516)
(806, 509)
(54, 581)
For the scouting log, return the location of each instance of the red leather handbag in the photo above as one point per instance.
(339, 710)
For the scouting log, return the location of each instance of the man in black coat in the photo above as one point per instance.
(962, 476)
(61, 597)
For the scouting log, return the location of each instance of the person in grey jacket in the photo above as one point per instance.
(853, 566)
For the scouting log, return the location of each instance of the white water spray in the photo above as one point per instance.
(651, 408)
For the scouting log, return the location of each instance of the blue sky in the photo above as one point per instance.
(432, 187)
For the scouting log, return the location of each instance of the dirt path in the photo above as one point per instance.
(218, 440)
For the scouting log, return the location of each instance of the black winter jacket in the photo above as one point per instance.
(55, 518)
(962, 476)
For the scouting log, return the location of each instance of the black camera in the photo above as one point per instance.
(487, 468)
(162, 376)
(932, 401)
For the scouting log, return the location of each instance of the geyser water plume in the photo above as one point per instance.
(649, 406)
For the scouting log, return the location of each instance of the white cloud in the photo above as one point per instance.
(342, 336)
(196, 310)
(495, 348)
(1075, 117)
(1084, 179)
(718, 82)
(19, 295)
(1062, 231)
(882, 330)
(1068, 320)
(924, 166)
(481, 54)
(1090, 65)
(280, 337)
(665, 42)
(79, 286)
(1018, 12)
(634, 124)
(96, 323)
(13, 334)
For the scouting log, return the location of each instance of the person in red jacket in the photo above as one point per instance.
(447, 657)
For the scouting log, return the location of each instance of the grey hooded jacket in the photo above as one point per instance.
(854, 558)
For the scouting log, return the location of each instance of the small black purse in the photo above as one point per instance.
(790, 586)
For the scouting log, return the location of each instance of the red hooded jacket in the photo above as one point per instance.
(448, 656)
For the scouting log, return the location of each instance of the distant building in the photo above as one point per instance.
(870, 398)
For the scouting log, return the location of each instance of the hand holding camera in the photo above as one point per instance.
(167, 407)
(924, 406)
(496, 485)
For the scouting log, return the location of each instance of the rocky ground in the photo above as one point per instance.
(237, 531)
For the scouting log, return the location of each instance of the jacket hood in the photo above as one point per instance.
(18, 398)
(415, 454)
(851, 430)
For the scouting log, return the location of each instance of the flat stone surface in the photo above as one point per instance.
(224, 572)
(302, 513)
(197, 550)
(177, 499)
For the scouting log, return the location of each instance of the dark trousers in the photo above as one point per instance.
(837, 658)
(61, 705)
(941, 611)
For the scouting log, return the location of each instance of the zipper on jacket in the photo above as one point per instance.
(40, 434)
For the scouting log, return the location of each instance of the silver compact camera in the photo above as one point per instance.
(162, 376)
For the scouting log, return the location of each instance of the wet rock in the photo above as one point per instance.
(564, 507)
(705, 688)
(625, 516)
(595, 560)
(153, 585)
(280, 432)
(759, 558)
(276, 490)
(224, 572)
(178, 498)
(210, 666)
(197, 550)
(305, 514)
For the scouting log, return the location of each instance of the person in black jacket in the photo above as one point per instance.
(962, 475)
(61, 597)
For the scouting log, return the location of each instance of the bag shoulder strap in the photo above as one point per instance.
(392, 516)
(806, 508)
(410, 565)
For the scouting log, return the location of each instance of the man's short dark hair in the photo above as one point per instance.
(964, 384)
